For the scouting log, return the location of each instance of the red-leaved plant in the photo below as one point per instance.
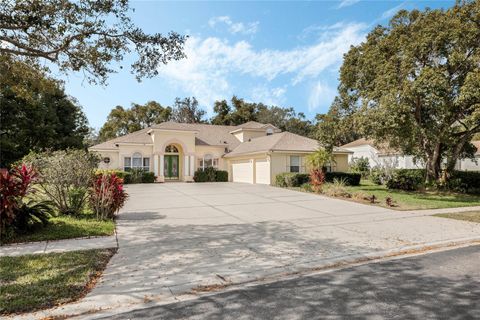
(107, 195)
(14, 186)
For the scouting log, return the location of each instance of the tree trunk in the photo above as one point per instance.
(454, 155)
(433, 166)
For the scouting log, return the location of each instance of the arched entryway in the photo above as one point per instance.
(171, 162)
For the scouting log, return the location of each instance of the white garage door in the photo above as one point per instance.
(262, 173)
(242, 171)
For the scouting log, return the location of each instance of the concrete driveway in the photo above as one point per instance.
(176, 237)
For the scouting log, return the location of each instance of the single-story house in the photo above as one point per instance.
(381, 156)
(252, 152)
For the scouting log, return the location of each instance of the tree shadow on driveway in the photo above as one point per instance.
(443, 285)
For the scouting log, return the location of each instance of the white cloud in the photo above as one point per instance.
(269, 96)
(320, 94)
(391, 12)
(234, 27)
(347, 3)
(213, 65)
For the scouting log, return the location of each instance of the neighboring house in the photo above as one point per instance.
(251, 153)
(379, 156)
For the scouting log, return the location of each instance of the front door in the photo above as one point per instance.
(170, 170)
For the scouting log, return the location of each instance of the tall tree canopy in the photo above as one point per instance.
(83, 35)
(122, 121)
(187, 111)
(335, 128)
(242, 111)
(415, 84)
(47, 119)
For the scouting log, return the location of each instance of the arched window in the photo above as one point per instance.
(171, 148)
(137, 160)
(207, 161)
(269, 131)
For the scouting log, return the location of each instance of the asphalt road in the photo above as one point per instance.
(444, 285)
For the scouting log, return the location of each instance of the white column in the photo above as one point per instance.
(186, 167)
(161, 166)
(155, 165)
(192, 165)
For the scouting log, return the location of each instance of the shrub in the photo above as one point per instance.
(200, 176)
(291, 179)
(107, 196)
(406, 179)
(125, 175)
(350, 179)
(221, 176)
(360, 165)
(336, 189)
(210, 174)
(65, 177)
(135, 175)
(148, 177)
(378, 176)
(464, 181)
(360, 196)
(15, 214)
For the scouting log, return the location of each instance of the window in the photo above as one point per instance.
(171, 148)
(269, 131)
(146, 164)
(127, 163)
(106, 160)
(294, 164)
(136, 161)
(207, 161)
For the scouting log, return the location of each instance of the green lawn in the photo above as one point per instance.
(471, 216)
(407, 200)
(34, 282)
(66, 227)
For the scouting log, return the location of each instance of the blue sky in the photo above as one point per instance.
(282, 53)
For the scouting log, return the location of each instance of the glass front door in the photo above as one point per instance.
(170, 170)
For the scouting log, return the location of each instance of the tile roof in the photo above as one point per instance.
(359, 142)
(285, 141)
(207, 134)
(140, 137)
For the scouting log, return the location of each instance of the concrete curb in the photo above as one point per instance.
(329, 265)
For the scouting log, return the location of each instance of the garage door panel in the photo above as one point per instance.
(262, 171)
(242, 171)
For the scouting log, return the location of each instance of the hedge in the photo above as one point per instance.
(221, 176)
(406, 179)
(210, 175)
(350, 179)
(132, 176)
(289, 179)
(464, 181)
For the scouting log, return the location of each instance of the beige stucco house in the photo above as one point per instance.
(252, 153)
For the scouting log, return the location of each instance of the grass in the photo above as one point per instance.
(471, 216)
(410, 200)
(403, 200)
(67, 227)
(33, 282)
